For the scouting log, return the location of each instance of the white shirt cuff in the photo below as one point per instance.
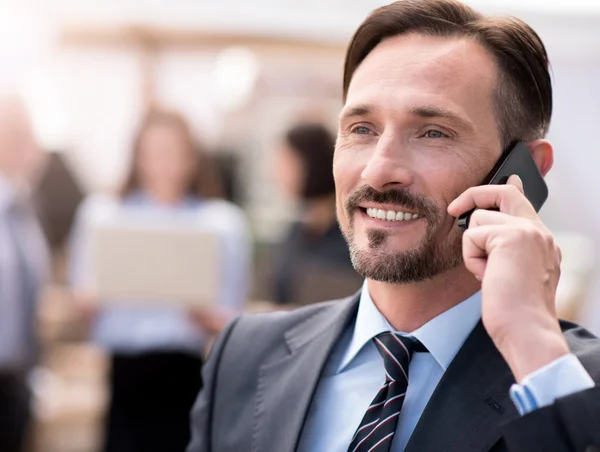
(562, 377)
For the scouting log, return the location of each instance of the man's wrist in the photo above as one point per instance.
(526, 350)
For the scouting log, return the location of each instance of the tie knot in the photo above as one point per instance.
(396, 351)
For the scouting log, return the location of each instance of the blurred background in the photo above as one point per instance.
(245, 76)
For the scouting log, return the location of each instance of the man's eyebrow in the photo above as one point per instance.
(427, 111)
(437, 112)
(357, 110)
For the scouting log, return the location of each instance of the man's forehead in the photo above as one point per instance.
(451, 66)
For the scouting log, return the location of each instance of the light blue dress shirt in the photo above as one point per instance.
(354, 374)
(130, 328)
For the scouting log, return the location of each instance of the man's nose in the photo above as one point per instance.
(388, 166)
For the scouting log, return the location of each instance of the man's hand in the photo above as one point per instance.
(517, 261)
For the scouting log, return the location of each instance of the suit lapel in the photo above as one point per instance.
(290, 382)
(470, 402)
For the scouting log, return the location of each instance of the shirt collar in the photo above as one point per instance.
(443, 335)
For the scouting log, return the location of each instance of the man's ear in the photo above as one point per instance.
(543, 155)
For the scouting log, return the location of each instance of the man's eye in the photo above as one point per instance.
(435, 134)
(361, 130)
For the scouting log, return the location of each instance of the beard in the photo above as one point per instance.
(433, 256)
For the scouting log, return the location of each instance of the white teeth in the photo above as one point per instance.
(391, 215)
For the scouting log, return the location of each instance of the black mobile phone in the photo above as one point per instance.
(516, 160)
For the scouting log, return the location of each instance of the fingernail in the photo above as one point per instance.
(515, 179)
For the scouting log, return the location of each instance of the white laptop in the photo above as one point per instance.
(137, 263)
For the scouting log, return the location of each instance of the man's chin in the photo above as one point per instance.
(384, 243)
(399, 265)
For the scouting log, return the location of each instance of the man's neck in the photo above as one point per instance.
(407, 307)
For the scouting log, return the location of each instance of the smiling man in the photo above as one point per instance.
(453, 343)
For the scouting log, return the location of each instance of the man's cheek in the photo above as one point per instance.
(341, 210)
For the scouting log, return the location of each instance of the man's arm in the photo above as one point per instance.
(570, 424)
(201, 416)
(517, 261)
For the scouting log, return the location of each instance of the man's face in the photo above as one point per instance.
(417, 129)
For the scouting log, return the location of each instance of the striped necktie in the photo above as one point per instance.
(376, 431)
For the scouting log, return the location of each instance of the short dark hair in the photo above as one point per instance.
(204, 180)
(523, 94)
(314, 144)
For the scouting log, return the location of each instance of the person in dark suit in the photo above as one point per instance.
(453, 343)
(313, 261)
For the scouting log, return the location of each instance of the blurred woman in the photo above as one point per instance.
(156, 351)
(314, 260)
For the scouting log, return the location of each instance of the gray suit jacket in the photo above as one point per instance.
(263, 371)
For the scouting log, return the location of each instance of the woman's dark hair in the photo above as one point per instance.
(523, 94)
(204, 181)
(314, 144)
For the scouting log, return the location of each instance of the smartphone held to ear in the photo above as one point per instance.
(516, 160)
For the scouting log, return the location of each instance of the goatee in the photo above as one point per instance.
(434, 255)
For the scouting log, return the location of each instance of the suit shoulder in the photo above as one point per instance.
(275, 323)
(585, 345)
(254, 337)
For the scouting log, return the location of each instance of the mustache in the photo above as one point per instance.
(398, 196)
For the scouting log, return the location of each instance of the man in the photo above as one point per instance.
(22, 269)
(453, 343)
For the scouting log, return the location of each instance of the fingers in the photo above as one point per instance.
(489, 229)
(483, 227)
(509, 199)
(482, 217)
(475, 243)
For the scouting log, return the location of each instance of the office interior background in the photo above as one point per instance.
(241, 72)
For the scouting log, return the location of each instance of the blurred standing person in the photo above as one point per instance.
(313, 261)
(23, 265)
(156, 351)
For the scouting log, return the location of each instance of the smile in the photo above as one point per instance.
(391, 215)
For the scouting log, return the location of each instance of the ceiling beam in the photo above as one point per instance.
(159, 37)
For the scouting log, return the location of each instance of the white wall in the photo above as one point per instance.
(575, 181)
